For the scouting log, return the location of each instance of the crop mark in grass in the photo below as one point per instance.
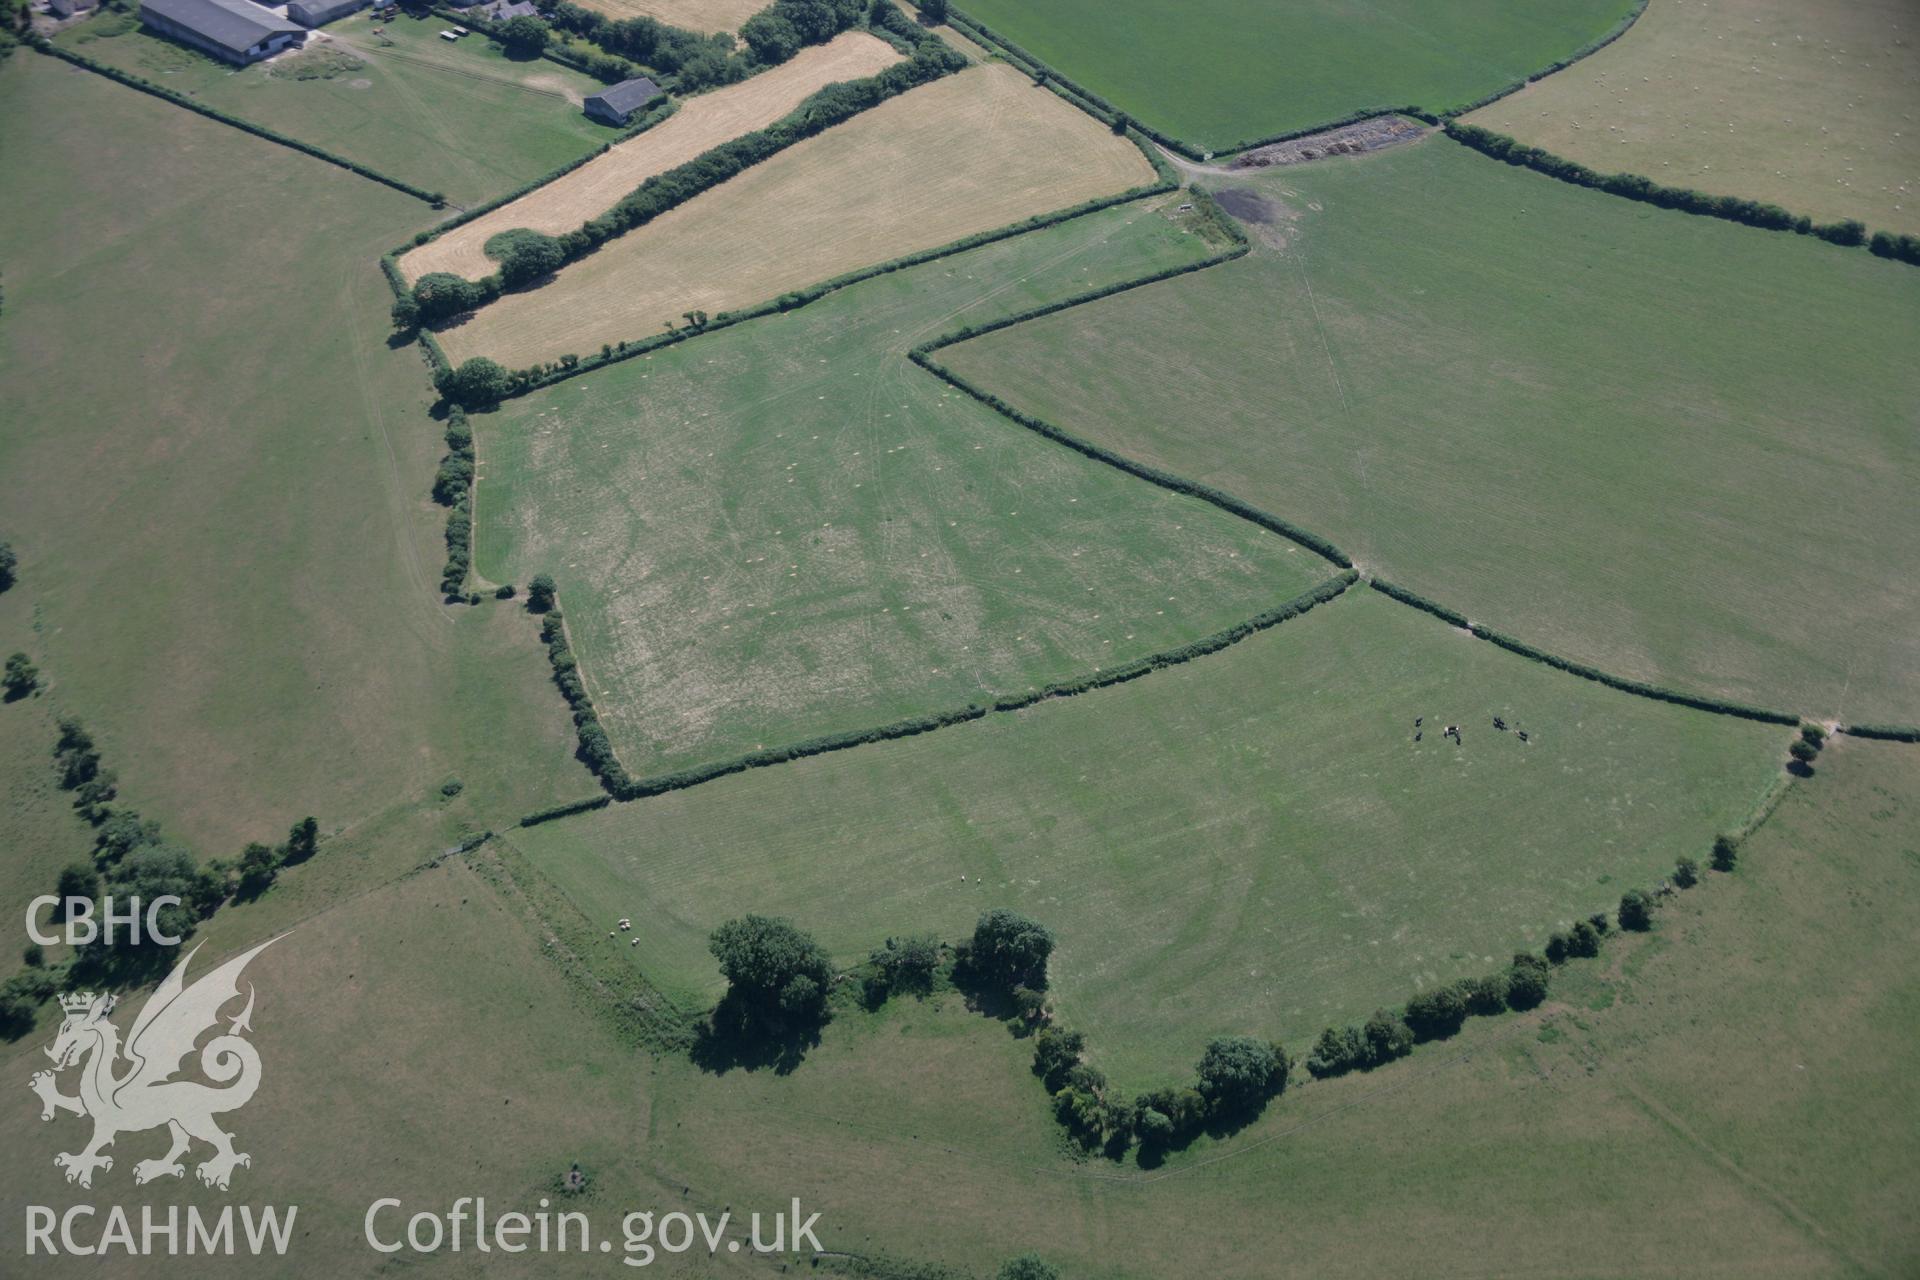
(1663, 1116)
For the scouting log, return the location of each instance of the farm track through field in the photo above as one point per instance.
(377, 52)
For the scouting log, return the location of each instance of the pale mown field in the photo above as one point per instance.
(967, 153)
(695, 15)
(1811, 106)
(700, 124)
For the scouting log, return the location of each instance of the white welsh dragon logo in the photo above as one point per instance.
(131, 1089)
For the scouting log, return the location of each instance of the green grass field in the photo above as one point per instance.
(1675, 448)
(1250, 843)
(1725, 1097)
(1219, 73)
(786, 529)
(1809, 106)
(216, 471)
(459, 118)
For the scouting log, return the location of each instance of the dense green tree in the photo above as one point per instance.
(1387, 1038)
(1486, 996)
(770, 36)
(1438, 1013)
(906, 964)
(933, 12)
(9, 563)
(1028, 1266)
(1686, 873)
(77, 880)
(258, 867)
(22, 677)
(440, 295)
(1056, 1051)
(524, 36)
(1559, 947)
(541, 592)
(149, 872)
(771, 965)
(1238, 1073)
(1584, 940)
(1011, 950)
(1726, 852)
(1526, 986)
(1636, 911)
(526, 256)
(302, 840)
(477, 382)
(1803, 751)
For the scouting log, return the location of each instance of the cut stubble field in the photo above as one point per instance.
(967, 153)
(1252, 843)
(785, 528)
(1674, 448)
(692, 15)
(700, 124)
(1811, 106)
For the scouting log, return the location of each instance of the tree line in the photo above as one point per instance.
(439, 296)
(133, 858)
(1847, 232)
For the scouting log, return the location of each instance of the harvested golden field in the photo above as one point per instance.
(1813, 105)
(700, 124)
(971, 152)
(694, 15)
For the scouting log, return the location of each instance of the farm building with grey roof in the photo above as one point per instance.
(616, 103)
(236, 30)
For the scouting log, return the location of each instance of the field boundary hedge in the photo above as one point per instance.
(1106, 112)
(553, 812)
(142, 85)
(623, 786)
(830, 105)
(1846, 233)
(1883, 732)
(1658, 693)
(654, 117)
(539, 377)
(1584, 51)
(922, 355)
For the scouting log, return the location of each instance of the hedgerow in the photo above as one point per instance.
(1632, 186)
(1883, 732)
(596, 749)
(131, 81)
(540, 376)
(1904, 248)
(923, 356)
(653, 117)
(453, 487)
(539, 816)
(1404, 596)
(1584, 51)
(439, 296)
(625, 788)
(1656, 692)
